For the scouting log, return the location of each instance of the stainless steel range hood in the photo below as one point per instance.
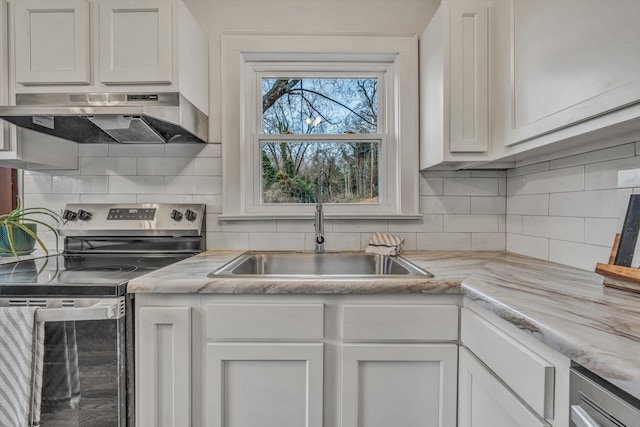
(110, 117)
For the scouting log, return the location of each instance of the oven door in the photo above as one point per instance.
(85, 377)
(596, 403)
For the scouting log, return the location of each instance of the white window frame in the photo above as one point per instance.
(246, 58)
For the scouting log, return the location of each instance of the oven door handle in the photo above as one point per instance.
(581, 418)
(104, 309)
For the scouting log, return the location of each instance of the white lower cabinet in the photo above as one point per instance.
(163, 366)
(297, 360)
(407, 385)
(508, 378)
(264, 384)
(484, 401)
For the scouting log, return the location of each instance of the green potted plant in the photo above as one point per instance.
(18, 230)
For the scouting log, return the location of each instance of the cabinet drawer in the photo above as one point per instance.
(400, 323)
(526, 373)
(265, 321)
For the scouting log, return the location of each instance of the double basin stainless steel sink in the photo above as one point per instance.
(311, 264)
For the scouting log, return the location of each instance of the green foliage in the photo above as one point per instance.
(21, 216)
(268, 171)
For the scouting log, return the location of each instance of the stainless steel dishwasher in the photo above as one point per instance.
(597, 403)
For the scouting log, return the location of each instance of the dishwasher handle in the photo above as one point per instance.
(580, 417)
(103, 309)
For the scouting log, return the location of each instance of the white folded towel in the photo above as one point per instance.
(20, 366)
(385, 244)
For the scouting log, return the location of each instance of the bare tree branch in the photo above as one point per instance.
(334, 101)
(279, 88)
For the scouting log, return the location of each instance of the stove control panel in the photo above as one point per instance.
(135, 219)
(130, 214)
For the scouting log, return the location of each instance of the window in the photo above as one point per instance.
(344, 112)
(331, 117)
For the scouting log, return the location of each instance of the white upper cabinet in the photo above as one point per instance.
(84, 46)
(22, 148)
(454, 84)
(566, 68)
(52, 42)
(135, 42)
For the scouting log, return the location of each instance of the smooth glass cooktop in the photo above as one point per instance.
(93, 274)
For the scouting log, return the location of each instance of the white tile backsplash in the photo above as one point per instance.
(428, 224)
(131, 184)
(471, 187)
(337, 241)
(565, 210)
(136, 150)
(108, 198)
(606, 175)
(566, 223)
(36, 183)
(108, 166)
(193, 184)
(445, 204)
(165, 166)
(537, 247)
(588, 204)
(514, 224)
(554, 181)
(79, 184)
(578, 255)
(471, 223)
(362, 226)
(617, 152)
(488, 205)
(92, 150)
(207, 166)
(431, 186)
(554, 227)
(487, 241)
(601, 231)
(224, 240)
(444, 241)
(277, 241)
(533, 204)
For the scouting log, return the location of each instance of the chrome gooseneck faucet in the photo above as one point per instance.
(319, 220)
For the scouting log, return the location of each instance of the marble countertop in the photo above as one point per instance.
(566, 308)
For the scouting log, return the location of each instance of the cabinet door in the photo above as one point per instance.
(164, 366)
(570, 61)
(399, 385)
(484, 401)
(264, 384)
(135, 42)
(52, 42)
(469, 74)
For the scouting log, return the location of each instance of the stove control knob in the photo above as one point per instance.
(69, 215)
(190, 215)
(176, 215)
(84, 215)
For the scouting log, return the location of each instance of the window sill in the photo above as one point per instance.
(355, 217)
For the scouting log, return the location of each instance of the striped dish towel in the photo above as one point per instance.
(61, 378)
(22, 341)
(385, 244)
